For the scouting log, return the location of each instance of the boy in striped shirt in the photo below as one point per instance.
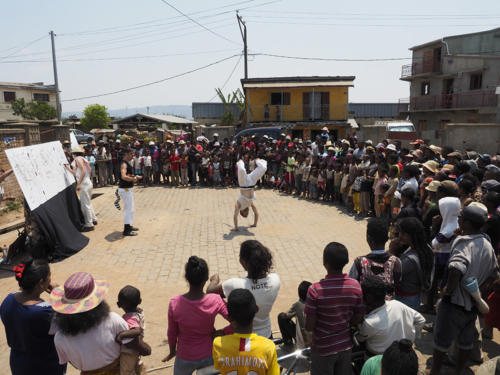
(244, 352)
(332, 305)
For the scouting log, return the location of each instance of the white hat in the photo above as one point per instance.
(324, 129)
(216, 134)
(151, 143)
(288, 138)
(181, 142)
(346, 142)
(368, 142)
(391, 147)
(265, 136)
(117, 141)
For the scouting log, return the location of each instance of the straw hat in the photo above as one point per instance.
(77, 150)
(80, 293)
(431, 165)
(433, 186)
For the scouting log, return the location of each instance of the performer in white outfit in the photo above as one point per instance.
(80, 168)
(247, 184)
(127, 180)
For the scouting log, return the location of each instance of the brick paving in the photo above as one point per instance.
(177, 223)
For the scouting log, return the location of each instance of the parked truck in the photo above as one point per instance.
(398, 130)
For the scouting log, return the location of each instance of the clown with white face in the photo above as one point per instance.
(247, 184)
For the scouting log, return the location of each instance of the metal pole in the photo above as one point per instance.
(56, 81)
(244, 37)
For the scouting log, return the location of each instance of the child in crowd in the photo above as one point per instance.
(313, 183)
(216, 168)
(356, 191)
(329, 183)
(306, 172)
(244, 352)
(381, 181)
(392, 181)
(184, 169)
(332, 305)
(337, 182)
(322, 180)
(136, 162)
(344, 184)
(175, 163)
(129, 299)
(299, 171)
(147, 165)
(291, 331)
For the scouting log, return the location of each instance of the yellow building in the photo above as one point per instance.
(302, 104)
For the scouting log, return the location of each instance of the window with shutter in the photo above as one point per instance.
(9, 96)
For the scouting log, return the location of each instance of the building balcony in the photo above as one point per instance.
(414, 69)
(468, 100)
(297, 112)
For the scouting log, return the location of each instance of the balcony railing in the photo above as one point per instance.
(428, 66)
(297, 112)
(474, 99)
(404, 105)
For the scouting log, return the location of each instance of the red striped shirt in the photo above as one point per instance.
(333, 300)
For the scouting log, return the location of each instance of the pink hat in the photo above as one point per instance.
(80, 293)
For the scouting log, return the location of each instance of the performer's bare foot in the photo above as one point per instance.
(234, 229)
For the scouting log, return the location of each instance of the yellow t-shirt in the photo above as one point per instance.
(245, 354)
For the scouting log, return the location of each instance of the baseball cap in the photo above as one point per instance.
(417, 142)
(485, 158)
(475, 213)
(489, 167)
(391, 147)
(449, 187)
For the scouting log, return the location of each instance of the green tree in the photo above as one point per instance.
(236, 97)
(95, 116)
(42, 111)
(33, 110)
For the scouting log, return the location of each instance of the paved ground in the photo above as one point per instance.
(177, 223)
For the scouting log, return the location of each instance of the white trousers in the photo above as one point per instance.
(128, 205)
(85, 202)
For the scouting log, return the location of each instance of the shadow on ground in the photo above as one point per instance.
(114, 236)
(243, 231)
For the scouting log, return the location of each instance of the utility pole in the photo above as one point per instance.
(244, 36)
(56, 82)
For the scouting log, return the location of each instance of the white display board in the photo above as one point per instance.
(40, 171)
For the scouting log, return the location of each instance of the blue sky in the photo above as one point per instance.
(119, 32)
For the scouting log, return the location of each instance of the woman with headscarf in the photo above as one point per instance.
(27, 318)
(85, 329)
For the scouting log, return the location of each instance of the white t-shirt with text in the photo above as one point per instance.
(265, 292)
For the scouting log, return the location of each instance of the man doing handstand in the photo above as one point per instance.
(247, 184)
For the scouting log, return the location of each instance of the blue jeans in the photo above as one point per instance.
(410, 301)
(183, 367)
(194, 171)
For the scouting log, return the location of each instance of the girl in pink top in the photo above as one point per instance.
(191, 319)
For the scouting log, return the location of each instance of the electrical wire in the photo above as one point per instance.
(368, 25)
(199, 24)
(228, 78)
(330, 59)
(154, 82)
(121, 57)
(372, 15)
(23, 47)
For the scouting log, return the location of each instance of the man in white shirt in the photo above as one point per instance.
(386, 321)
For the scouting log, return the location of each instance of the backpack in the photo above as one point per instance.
(384, 271)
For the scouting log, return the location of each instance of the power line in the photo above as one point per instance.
(199, 24)
(122, 57)
(23, 47)
(229, 77)
(154, 82)
(367, 25)
(330, 59)
(148, 23)
(372, 15)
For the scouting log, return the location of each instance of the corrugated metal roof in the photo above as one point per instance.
(32, 86)
(213, 110)
(160, 118)
(373, 109)
(298, 79)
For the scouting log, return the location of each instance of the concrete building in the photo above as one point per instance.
(30, 92)
(369, 113)
(212, 113)
(302, 104)
(453, 80)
